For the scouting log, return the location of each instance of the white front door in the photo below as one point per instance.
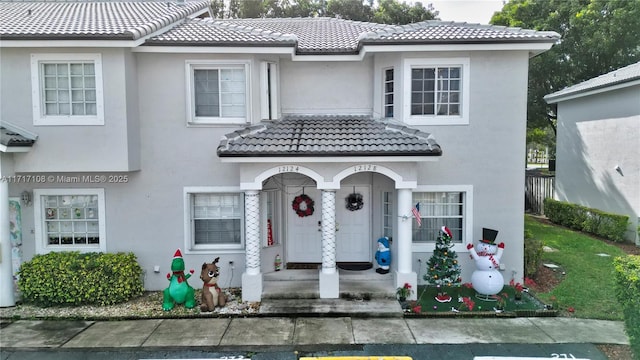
(353, 238)
(304, 238)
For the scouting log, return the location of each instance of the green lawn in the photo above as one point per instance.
(588, 286)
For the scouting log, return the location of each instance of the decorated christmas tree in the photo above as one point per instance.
(443, 269)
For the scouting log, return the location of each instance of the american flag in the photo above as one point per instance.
(416, 214)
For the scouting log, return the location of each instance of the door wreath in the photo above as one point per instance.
(302, 205)
(354, 202)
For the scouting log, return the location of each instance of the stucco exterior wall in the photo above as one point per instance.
(146, 129)
(596, 134)
(327, 87)
(488, 153)
(92, 148)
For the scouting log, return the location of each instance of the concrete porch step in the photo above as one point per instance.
(331, 307)
(310, 289)
(313, 274)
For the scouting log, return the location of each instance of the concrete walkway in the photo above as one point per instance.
(257, 332)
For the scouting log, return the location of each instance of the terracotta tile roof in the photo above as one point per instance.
(623, 75)
(216, 33)
(329, 35)
(131, 20)
(456, 32)
(89, 20)
(329, 135)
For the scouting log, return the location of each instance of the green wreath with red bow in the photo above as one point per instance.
(302, 205)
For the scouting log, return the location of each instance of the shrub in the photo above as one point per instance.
(72, 278)
(532, 254)
(627, 277)
(593, 221)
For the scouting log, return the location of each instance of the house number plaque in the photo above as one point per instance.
(364, 167)
(288, 168)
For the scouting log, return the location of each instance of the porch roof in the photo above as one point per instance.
(12, 137)
(337, 136)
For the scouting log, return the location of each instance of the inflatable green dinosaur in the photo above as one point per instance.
(179, 291)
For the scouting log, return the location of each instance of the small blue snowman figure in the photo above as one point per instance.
(383, 255)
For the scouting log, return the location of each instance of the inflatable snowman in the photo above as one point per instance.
(487, 279)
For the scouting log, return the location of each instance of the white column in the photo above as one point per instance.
(405, 273)
(329, 279)
(328, 231)
(7, 297)
(252, 277)
(405, 224)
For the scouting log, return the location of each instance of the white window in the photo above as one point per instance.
(218, 92)
(388, 93)
(214, 219)
(443, 206)
(269, 102)
(387, 214)
(436, 91)
(271, 204)
(67, 89)
(69, 219)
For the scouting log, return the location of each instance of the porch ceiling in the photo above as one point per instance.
(328, 136)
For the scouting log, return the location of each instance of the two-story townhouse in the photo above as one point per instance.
(248, 139)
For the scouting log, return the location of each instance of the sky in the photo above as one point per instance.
(471, 11)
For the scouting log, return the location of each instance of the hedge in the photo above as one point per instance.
(74, 278)
(532, 254)
(593, 221)
(627, 277)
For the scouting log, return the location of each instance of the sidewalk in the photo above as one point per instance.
(257, 332)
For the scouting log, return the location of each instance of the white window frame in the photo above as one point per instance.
(275, 222)
(269, 100)
(385, 93)
(389, 228)
(42, 243)
(191, 65)
(189, 241)
(463, 118)
(467, 216)
(37, 96)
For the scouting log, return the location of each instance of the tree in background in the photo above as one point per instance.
(598, 36)
(349, 10)
(394, 12)
(217, 9)
(387, 11)
(233, 11)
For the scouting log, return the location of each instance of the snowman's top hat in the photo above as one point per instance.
(489, 236)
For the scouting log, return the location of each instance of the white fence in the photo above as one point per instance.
(537, 188)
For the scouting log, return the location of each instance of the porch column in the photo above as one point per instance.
(252, 277)
(329, 282)
(404, 273)
(7, 297)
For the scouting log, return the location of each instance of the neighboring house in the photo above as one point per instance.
(605, 109)
(159, 130)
